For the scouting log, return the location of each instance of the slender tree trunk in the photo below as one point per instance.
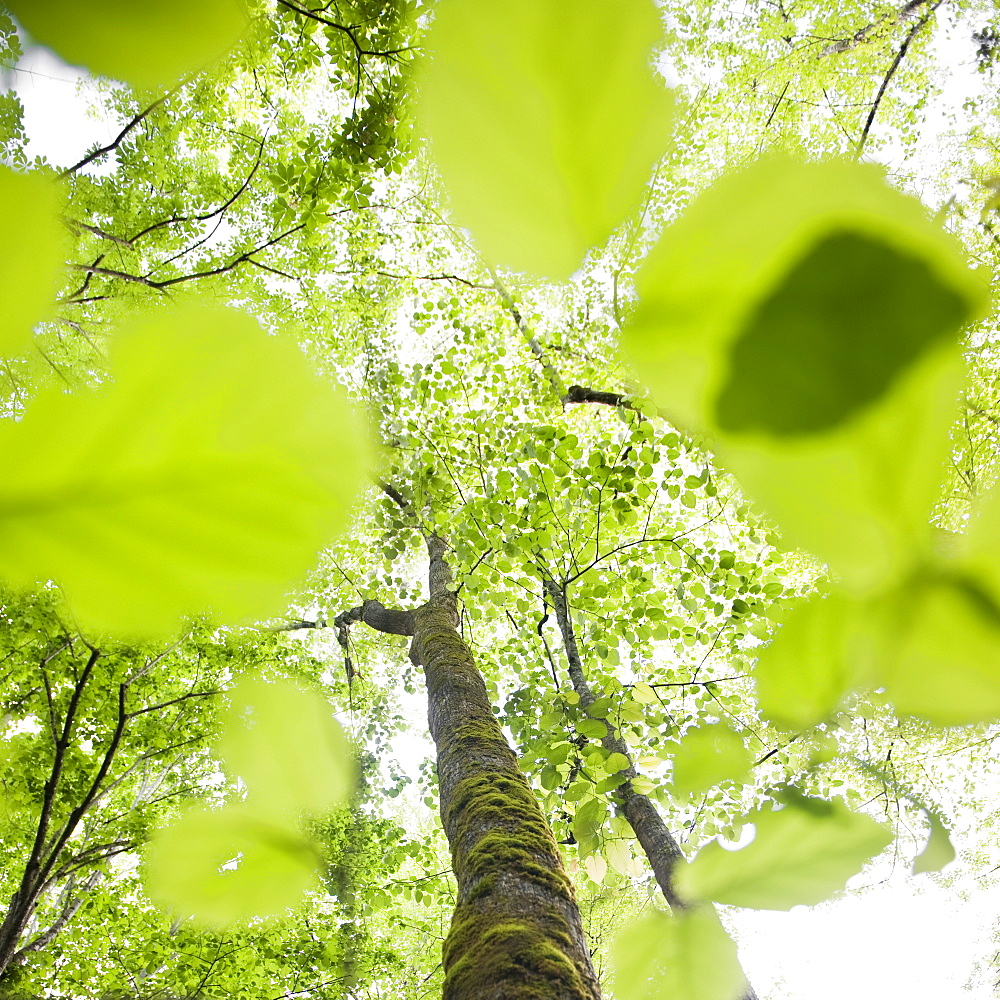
(516, 933)
(661, 849)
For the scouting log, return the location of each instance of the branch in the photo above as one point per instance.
(109, 272)
(216, 211)
(315, 16)
(241, 259)
(889, 75)
(28, 882)
(865, 34)
(90, 157)
(395, 496)
(95, 786)
(89, 857)
(584, 394)
(120, 240)
(173, 701)
(72, 904)
(553, 376)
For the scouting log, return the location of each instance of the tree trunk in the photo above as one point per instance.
(657, 842)
(516, 933)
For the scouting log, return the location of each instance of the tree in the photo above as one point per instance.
(620, 523)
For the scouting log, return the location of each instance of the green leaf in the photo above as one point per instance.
(707, 755)
(851, 315)
(616, 762)
(806, 668)
(589, 818)
(592, 729)
(544, 123)
(619, 856)
(207, 476)
(808, 315)
(268, 867)
(801, 854)
(685, 957)
(644, 694)
(29, 277)
(938, 850)
(943, 663)
(147, 44)
(287, 748)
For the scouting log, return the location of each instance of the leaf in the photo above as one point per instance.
(619, 856)
(938, 851)
(684, 957)
(146, 44)
(268, 867)
(544, 123)
(616, 762)
(944, 664)
(644, 694)
(589, 818)
(207, 476)
(29, 275)
(287, 748)
(592, 729)
(808, 315)
(801, 854)
(707, 755)
(806, 668)
(596, 867)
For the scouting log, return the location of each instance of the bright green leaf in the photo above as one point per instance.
(938, 850)
(208, 475)
(851, 315)
(944, 664)
(806, 668)
(31, 267)
(147, 44)
(619, 856)
(684, 957)
(644, 694)
(616, 762)
(752, 323)
(285, 745)
(592, 729)
(226, 865)
(707, 755)
(545, 126)
(596, 867)
(801, 854)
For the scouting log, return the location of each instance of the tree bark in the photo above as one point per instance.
(657, 842)
(516, 933)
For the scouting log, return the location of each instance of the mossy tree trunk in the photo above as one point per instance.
(516, 933)
(657, 842)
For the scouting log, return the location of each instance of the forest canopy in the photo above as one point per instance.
(614, 390)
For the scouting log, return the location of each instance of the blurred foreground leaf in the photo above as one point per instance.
(943, 662)
(148, 44)
(809, 663)
(545, 126)
(206, 476)
(938, 850)
(268, 867)
(287, 748)
(684, 957)
(809, 315)
(707, 755)
(801, 854)
(33, 260)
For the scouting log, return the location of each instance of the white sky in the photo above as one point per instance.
(62, 115)
(903, 937)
